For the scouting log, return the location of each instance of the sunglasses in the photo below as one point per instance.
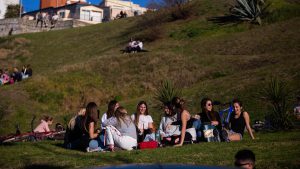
(237, 164)
(209, 104)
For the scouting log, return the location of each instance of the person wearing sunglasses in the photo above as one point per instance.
(245, 159)
(208, 115)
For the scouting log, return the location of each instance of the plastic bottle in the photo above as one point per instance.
(157, 138)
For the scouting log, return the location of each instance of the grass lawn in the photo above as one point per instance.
(272, 150)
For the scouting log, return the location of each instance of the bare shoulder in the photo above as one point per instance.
(246, 114)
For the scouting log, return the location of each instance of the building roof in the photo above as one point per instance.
(61, 7)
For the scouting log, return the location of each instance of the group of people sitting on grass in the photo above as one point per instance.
(15, 76)
(134, 46)
(177, 126)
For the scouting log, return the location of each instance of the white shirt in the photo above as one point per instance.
(144, 121)
(140, 44)
(165, 127)
(103, 119)
(55, 17)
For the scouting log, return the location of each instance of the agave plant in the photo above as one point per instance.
(166, 92)
(248, 10)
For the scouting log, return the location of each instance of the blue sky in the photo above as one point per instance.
(30, 5)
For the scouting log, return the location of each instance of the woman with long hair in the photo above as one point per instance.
(143, 120)
(90, 136)
(111, 108)
(121, 131)
(208, 115)
(188, 132)
(239, 119)
(169, 133)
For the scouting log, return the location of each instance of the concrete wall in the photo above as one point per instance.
(18, 26)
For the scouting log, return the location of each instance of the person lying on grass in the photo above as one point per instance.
(239, 119)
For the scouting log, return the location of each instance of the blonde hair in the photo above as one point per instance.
(121, 115)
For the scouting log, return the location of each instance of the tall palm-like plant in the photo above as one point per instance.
(276, 96)
(166, 92)
(248, 10)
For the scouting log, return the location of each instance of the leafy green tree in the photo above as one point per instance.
(13, 11)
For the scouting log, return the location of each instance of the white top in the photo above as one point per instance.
(140, 44)
(165, 127)
(297, 110)
(55, 17)
(132, 44)
(144, 121)
(111, 121)
(103, 119)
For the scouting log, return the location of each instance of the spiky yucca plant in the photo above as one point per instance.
(166, 92)
(276, 96)
(248, 10)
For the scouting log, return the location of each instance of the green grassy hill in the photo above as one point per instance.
(79, 65)
(72, 67)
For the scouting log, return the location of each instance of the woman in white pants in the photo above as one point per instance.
(120, 131)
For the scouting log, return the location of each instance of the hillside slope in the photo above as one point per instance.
(72, 67)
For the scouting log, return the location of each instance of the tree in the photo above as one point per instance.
(13, 11)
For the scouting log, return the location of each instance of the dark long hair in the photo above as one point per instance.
(47, 118)
(171, 108)
(137, 113)
(111, 108)
(211, 114)
(91, 115)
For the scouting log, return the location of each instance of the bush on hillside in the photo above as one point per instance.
(168, 11)
(276, 95)
(151, 34)
(166, 92)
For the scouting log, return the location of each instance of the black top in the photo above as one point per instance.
(17, 76)
(29, 72)
(237, 125)
(207, 118)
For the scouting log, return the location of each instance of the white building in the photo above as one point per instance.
(4, 4)
(112, 8)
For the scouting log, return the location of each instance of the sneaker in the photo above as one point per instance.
(89, 150)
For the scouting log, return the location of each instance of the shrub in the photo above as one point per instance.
(151, 34)
(169, 10)
(276, 95)
(166, 92)
(248, 10)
